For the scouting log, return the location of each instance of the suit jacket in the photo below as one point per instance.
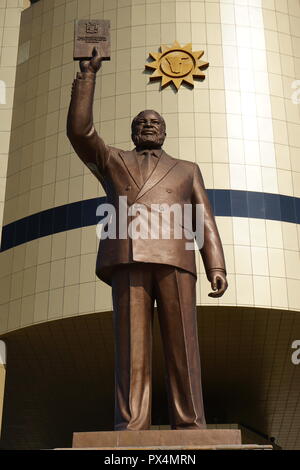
(173, 181)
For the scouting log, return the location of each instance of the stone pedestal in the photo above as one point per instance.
(158, 439)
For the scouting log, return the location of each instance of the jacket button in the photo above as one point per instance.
(128, 188)
(169, 190)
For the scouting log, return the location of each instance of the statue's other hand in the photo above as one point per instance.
(218, 283)
(92, 65)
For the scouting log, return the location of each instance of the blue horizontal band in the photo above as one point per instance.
(225, 202)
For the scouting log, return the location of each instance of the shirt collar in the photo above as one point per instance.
(156, 152)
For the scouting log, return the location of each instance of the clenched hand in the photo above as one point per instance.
(93, 65)
(218, 283)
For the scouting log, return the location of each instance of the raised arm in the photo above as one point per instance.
(80, 128)
(212, 250)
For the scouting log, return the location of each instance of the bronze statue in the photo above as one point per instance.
(142, 270)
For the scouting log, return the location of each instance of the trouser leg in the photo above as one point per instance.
(176, 302)
(133, 318)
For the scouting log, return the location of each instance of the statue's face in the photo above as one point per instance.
(148, 130)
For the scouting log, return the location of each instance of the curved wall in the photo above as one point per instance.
(240, 124)
(10, 12)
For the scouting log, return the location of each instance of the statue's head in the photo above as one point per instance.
(148, 130)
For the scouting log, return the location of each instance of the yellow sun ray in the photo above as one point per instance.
(164, 48)
(198, 54)
(202, 63)
(189, 80)
(187, 47)
(165, 80)
(176, 64)
(155, 55)
(157, 73)
(175, 45)
(152, 65)
(199, 74)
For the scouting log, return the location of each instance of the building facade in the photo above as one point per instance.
(10, 12)
(241, 125)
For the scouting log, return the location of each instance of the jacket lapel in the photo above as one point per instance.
(130, 161)
(163, 166)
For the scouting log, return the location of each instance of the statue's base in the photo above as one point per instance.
(163, 440)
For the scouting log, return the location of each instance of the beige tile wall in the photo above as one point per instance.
(10, 11)
(240, 125)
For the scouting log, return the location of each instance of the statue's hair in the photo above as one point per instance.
(133, 124)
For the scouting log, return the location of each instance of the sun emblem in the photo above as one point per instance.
(176, 64)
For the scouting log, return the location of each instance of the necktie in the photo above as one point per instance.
(146, 164)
